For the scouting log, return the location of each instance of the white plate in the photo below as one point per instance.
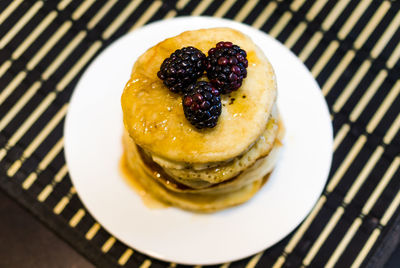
(93, 131)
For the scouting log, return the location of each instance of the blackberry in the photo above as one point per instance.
(182, 68)
(226, 66)
(202, 105)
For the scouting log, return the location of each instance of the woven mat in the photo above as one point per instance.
(351, 47)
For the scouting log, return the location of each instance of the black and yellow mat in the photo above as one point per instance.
(351, 47)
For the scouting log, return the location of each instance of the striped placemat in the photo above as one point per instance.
(351, 47)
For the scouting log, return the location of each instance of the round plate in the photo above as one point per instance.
(93, 131)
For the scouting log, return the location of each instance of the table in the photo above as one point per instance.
(21, 232)
(351, 47)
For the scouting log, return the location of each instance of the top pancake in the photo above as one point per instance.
(154, 118)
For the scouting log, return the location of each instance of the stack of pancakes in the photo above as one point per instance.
(209, 169)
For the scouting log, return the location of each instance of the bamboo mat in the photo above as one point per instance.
(351, 47)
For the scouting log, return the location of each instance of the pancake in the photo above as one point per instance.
(249, 160)
(154, 118)
(209, 169)
(197, 202)
(223, 172)
(264, 165)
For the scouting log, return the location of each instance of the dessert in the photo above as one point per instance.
(202, 130)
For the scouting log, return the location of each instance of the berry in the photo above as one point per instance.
(182, 68)
(202, 105)
(226, 66)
